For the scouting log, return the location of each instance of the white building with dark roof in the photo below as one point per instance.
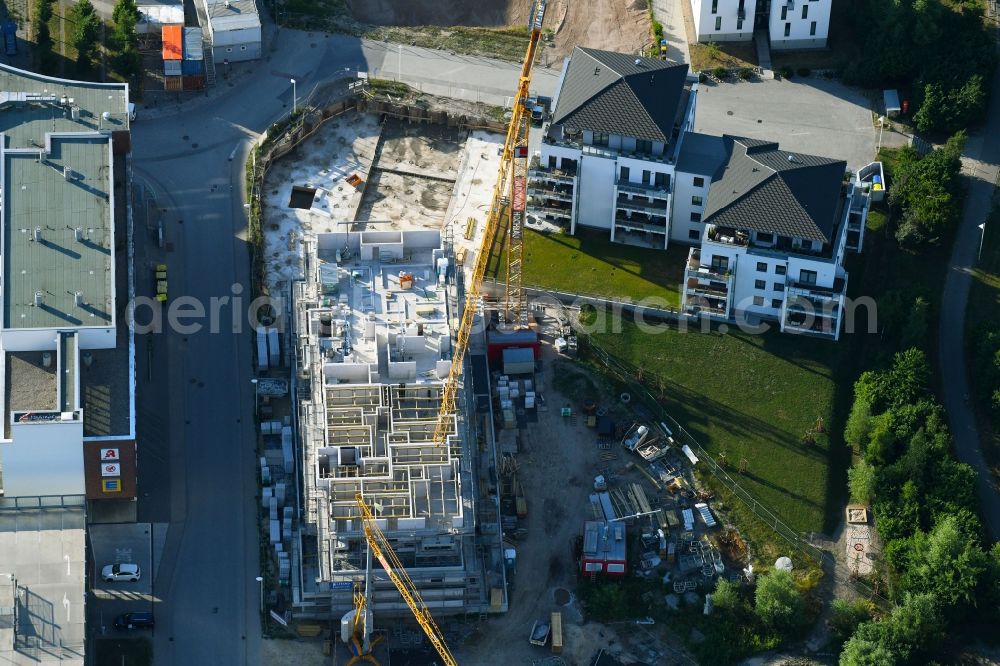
(777, 227)
(789, 24)
(607, 156)
(233, 29)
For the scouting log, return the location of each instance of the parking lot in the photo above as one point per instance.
(812, 115)
(135, 543)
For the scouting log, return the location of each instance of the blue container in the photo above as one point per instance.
(192, 67)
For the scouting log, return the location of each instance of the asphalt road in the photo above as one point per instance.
(980, 162)
(195, 395)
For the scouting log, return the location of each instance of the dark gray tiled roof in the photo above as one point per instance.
(761, 188)
(701, 154)
(608, 92)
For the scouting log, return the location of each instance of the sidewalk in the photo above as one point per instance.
(671, 13)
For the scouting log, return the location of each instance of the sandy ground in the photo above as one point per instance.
(341, 147)
(292, 653)
(614, 25)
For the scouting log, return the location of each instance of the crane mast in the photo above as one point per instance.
(515, 150)
(383, 552)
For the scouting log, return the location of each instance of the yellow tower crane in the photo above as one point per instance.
(508, 198)
(383, 552)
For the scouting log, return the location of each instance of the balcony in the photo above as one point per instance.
(550, 209)
(564, 176)
(608, 152)
(812, 309)
(559, 193)
(658, 208)
(650, 191)
(622, 222)
(707, 289)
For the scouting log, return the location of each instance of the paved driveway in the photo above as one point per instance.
(811, 115)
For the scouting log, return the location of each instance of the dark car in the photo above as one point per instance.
(134, 621)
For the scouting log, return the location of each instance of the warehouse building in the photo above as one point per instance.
(67, 385)
(233, 28)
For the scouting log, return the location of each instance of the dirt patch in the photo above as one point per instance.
(612, 25)
(485, 13)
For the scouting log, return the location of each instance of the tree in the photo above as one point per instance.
(86, 30)
(778, 602)
(726, 598)
(859, 423)
(911, 630)
(946, 563)
(861, 482)
(927, 191)
(845, 616)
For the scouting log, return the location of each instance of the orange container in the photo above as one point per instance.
(173, 42)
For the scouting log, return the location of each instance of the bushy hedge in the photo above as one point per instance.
(928, 192)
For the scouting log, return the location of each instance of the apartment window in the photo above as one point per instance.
(805, 11)
(807, 245)
(623, 174)
(812, 28)
(661, 179)
(644, 147)
(807, 277)
(788, 29)
(552, 161)
(720, 263)
(718, 23)
(765, 238)
(697, 201)
(600, 139)
(715, 7)
(761, 267)
(694, 234)
(699, 181)
(646, 175)
(759, 284)
(784, 12)
(758, 300)
(776, 303)
(779, 286)
(739, 24)
(779, 270)
(696, 217)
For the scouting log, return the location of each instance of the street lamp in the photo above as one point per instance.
(256, 394)
(260, 582)
(881, 127)
(982, 236)
(295, 97)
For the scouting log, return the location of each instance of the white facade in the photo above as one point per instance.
(799, 24)
(723, 20)
(233, 29)
(736, 276)
(690, 197)
(623, 187)
(44, 459)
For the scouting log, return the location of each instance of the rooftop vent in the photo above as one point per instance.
(791, 158)
(597, 70)
(38, 233)
(78, 299)
(39, 299)
(637, 61)
(67, 173)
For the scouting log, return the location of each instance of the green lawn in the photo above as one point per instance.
(753, 397)
(589, 263)
(984, 306)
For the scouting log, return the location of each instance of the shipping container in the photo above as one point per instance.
(173, 44)
(194, 82)
(172, 68)
(191, 67)
(172, 83)
(193, 48)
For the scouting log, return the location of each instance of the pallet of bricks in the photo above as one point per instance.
(183, 58)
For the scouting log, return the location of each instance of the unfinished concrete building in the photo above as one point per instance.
(373, 349)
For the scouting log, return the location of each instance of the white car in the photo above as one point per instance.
(123, 571)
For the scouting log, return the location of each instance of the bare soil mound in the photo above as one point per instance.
(479, 13)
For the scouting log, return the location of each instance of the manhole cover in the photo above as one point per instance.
(561, 596)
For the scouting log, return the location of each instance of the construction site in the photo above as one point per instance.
(454, 464)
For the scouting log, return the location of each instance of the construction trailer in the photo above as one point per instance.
(604, 550)
(233, 28)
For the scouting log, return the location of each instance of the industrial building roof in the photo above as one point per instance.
(617, 93)
(604, 540)
(701, 154)
(232, 14)
(57, 235)
(42, 571)
(764, 189)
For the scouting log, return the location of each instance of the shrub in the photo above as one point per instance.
(701, 77)
(803, 71)
(720, 72)
(779, 605)
(712, 51)
(745, 73)
(657, 30)
(786, 72)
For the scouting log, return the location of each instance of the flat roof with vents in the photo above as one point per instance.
(58, 237)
